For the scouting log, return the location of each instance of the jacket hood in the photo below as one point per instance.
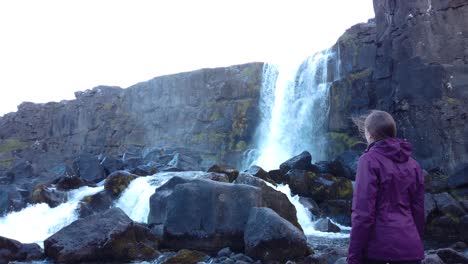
(398, 150)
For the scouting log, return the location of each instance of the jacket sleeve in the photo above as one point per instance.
(363, 210)
(417, 202)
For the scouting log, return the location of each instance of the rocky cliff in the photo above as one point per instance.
(411, 60)
(208, 115)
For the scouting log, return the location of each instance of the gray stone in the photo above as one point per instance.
(111, 235)
(266, 235)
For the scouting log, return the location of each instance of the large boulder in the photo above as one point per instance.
(311, 206)
(43, 193)
(10, 199)
(89, 168)
(320, 187)
(448, 205)
(203, 214)
(96, 203)
(338, 210)
(258, 172)
(107, 236)
(459, 178)
(12, 250)
(68, 182)
(449, 255)
(268, 237)
(435, 181)
(302, 161)
(118, 181)
(207, 215)
(272, 198)
(326, 225)
(229, 170)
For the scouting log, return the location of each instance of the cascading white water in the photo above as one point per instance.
(37, 222)
(305, 218)
(294, 108)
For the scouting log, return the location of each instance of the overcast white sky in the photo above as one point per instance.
(51, 48)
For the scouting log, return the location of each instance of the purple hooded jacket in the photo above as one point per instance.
(388, 205)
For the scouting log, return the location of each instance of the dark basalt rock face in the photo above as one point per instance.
(179, 122)
(411, 60)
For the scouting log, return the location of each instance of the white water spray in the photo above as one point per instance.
(37, 222)
(294, 110)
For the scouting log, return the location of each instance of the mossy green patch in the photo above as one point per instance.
(185, 256)
(12, 144)
(359, 75)
(6, 163)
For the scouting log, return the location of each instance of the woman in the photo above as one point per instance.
(388, 200)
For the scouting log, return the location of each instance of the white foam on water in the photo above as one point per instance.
(37, 222)
(134, 201)
(305, 217)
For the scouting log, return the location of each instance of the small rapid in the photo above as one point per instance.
(37, 222)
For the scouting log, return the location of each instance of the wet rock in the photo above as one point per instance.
(325, 225)
(145, 170)
(459, 178)
(320, 187)
(185, 256)
(12, 250)
(302, 161)
(435, 181)
(345, 165)
(272, 198)
(460, 245)
(266, 235)
(107, 236)
(311, 205)
(66, 183)
(223, 208)
(327, 256)
(229, 170)
(342, 260)
(47, 194)
(118, 181)
(95, 203)
(449, 255)
(10, 199)
(432, 259)
(258, 172)
(239, 257)
(429, 205)
(277, 176)
(225, 252)
(338, 210)
(448, 205)
(89, 168)
(111, 164)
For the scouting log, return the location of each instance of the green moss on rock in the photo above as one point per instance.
(185, 256)
(12, 144)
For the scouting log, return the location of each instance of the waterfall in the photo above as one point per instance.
(294, 111)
